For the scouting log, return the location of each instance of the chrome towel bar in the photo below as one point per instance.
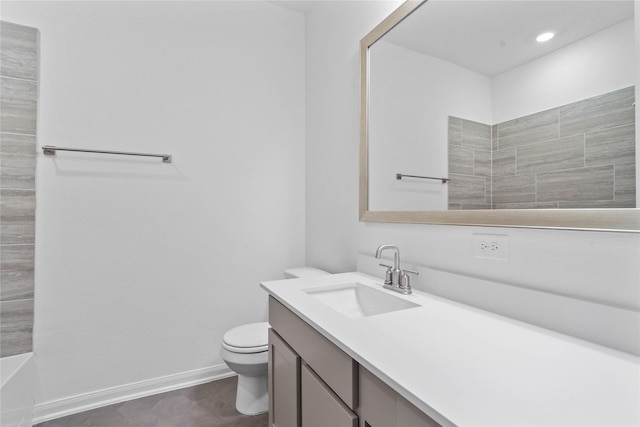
(50, 150)
(444, 180)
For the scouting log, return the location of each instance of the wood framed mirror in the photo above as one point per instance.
(459, 120)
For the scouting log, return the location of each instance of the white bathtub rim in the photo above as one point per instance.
(17, 390)
(13, 364)
(46, 411)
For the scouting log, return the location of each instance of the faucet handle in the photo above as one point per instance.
(388, 274)
(405, 283)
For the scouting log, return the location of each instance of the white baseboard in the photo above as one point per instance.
(83, 402)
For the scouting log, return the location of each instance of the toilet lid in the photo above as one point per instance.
(253, 337)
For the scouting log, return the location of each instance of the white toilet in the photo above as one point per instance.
(245, 349)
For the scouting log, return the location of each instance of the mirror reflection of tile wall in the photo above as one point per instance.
(580, 155)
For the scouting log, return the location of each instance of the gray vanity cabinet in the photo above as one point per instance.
(381, 406)
(312, 383)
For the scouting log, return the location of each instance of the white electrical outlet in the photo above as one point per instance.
(491, 246)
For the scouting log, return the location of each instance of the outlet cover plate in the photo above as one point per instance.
(491, 246)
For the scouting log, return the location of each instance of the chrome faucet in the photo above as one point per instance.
(395, 278)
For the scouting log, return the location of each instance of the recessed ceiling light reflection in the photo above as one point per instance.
(545, 37)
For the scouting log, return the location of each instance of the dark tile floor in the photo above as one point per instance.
(205, 405)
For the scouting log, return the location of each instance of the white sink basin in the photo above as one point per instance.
(356, 300)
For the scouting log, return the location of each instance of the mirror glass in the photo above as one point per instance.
(464, 110)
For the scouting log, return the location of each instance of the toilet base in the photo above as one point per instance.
(252, 396)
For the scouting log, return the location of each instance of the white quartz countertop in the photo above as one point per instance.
(467, 367)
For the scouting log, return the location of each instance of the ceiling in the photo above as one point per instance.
(491, 37)
(301, 6)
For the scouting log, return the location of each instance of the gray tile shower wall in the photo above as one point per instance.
(469, 164)
(580, 155)
(18, 117)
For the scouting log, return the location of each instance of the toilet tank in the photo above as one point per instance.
(296, 272)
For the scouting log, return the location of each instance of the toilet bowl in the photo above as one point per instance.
(245, 349)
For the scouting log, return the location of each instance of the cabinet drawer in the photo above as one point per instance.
(333, 365)
(320, 406)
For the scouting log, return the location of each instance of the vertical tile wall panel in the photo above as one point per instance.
(16, 326)
(476, 135)
(16, 272)
(625, 182)
(18, 119)
(460, 160)
(494, 138)
(19, 47)
(482, 163)
(17, 216)
(18, 106)
(455, 131)
(18, 161)
(503, 162)
(465, 189)
(469, 162)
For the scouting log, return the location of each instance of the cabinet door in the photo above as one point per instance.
(321, 407)
(284, 384)
(381, 406)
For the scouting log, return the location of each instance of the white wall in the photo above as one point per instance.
(596, 266)
(333, 31)
(595, 65)
(142, 266)
(412, 95)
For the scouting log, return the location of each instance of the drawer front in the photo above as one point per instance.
(320, 406)
(333, 365)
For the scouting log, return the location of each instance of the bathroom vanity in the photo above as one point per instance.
(346, 352)
(316, 383)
